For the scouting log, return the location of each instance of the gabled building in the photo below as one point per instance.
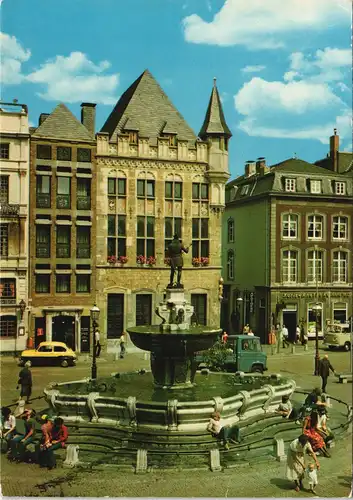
(287, 244)
(157, 178)
(62, 222)
(14, 184)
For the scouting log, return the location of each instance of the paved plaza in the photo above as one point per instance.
(258, 479)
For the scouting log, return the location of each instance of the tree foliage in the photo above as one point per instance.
(216, 356)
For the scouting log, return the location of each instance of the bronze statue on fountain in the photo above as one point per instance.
(175, 253)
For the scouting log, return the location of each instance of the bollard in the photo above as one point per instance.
(305, 347)
(278, 445)
(20, 408)
(293, 349)
(273, 349)
(215, 463)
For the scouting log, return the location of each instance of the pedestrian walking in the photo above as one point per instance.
(297, 334)
(97, 337)
(311, 473)
(122, 346)
(25, 381)
(285, 334)
(246, 329)
(324, 371)
(296, 460)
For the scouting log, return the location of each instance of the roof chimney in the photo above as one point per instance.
(88, 116)
(261, 168)
(334, 147)
(42, 118)
(250, 168)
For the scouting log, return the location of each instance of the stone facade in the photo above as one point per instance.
(128, 293)
(14, 187)
(297, 252)
(63, 228)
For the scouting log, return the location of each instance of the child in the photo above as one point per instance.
(312, 478)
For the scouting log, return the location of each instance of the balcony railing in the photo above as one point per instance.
(63, 201)
(62, 250)
(9, 210)
(7, 301)
(43, 200)
(42, 250)
(83, 252)
(83, 202)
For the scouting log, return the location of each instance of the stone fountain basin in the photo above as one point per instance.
(95, 401)
(195, 338)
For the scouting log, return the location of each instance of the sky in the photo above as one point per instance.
(283, 68)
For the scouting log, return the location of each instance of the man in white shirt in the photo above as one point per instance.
(98, 346)
(285, 342)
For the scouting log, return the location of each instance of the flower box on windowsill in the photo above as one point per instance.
(117, 261)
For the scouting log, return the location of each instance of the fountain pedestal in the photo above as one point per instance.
(174, 343)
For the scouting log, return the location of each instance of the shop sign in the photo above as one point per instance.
(251, 301)
(313, 295)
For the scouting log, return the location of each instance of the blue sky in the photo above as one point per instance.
(283, 68)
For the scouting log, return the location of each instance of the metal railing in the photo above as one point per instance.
(63, 201)
(9, 210)
(83, 252)
(83, 203)
(43, 200)
(62, 250)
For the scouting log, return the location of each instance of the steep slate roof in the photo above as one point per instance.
(62, 124)
(345, 162)
(215, 122)
(149, 109)
(297, 166)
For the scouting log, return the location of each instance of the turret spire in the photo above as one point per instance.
(214, 123)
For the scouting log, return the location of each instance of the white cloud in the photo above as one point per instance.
(326, 65)
(12, 57)
(292, 109)
(253, 69)
(264, 24)
(75, 78)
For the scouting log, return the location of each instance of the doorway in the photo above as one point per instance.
(290, 321)
(63, 330)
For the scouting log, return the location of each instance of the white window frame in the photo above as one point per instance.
(315, 186)
(339, 266)
(290, 266)
(340, 188)
(290, 185)
(339, 222)
(318, 223)
(315, 266)
(290, 221)
(230, 230)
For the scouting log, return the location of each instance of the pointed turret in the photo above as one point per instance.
(214, 123)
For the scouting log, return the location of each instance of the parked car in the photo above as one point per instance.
(338, 335)
(244, 353)
(49, 353)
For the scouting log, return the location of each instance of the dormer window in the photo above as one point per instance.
(133, 137)
(340, 188)
(315, 186)
(244, 190)
(290, 185)
(172, 139)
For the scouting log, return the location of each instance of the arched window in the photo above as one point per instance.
(230, 264)
(230, 231)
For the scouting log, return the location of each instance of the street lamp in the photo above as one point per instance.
(94, 317)
(317, 307)
(239, 303)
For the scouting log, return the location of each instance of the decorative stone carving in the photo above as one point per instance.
(71, 455)
(172, 414)
(137, 164)
(246, 401)
(218, 404)
(92, 396)
(141, 461)
(271, 396)
(131, 408)
(215, 463)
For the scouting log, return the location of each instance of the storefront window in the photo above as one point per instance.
(340, 312)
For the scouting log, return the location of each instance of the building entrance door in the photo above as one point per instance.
(290, 321)
(64, 330)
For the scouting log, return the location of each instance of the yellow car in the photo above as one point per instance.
(49, 353)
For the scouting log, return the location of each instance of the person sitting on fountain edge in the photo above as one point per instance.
(175, 253)
(222, 432)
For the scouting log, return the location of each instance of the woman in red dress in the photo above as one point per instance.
(310, 429)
